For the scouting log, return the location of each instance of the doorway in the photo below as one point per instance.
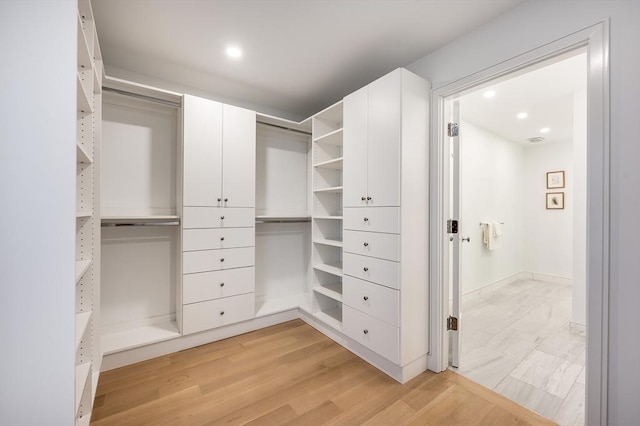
(519, 191)
(595, 41)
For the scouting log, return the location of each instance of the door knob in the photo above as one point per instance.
(468, 239)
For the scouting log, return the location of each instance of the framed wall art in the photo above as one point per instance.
(555, 179)
(555, 200)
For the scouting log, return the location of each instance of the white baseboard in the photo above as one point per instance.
(524, 275)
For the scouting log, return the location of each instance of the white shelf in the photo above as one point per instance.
(332, 190)
(280, 304)
(82, 155)
(82, 322)
(138, 336)
(333, 243)
(332, 291)
(84, 104)
(334, 163)
(82, 374)
(82, 213)
(81, 268)
(334, 269)
(328, 217)
(331, 138)
(332, 317)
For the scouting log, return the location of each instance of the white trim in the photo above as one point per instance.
(596, 41)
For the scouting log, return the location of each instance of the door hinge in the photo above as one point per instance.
(452, 323)
(452, 130)
(452, 226)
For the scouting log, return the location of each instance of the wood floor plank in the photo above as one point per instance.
(290, 374)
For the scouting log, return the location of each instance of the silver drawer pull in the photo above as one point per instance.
(366, 219)
(366, 298)
(365, 331)
(222, 217)
(363, 198)
(366, 269)
(368, 198)
(221, 284)
(226, 200)
(221, 238)
(366, 244)
(221, 312)
(222, 259)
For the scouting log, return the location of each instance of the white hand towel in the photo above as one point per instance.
(497, 229)
(487, 235)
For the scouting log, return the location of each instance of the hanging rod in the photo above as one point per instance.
(141, 224)
(484, 223)
(276, 219)
(285, 128)
(143, 97)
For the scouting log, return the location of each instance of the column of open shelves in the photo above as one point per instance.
(89, 76)
(327, 216)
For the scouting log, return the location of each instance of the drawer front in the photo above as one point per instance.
(217, 217)
(217, 238)
(379, 271)
(216, 313)
(217, 284)
(375, 219)
(215, 260)
(372, 299)
(374, 244)
(380, 337)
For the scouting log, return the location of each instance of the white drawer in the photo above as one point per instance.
(379, 271)
(217, 284)
(216, 313)
(374, 244)
(217, 217)
(376, 219)
(215, 260)
(372, 299)
(380, 337)
(217, 238)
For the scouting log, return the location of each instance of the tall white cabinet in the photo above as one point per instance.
(218, 226)
(384, 288)
(87, 278)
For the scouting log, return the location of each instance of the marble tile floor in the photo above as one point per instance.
(516, 340)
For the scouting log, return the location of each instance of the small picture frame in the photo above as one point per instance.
(555, 179)
(555, 200)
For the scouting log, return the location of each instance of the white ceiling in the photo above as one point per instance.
(546, 94)
(299, 55)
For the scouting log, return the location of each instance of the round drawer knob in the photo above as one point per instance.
(366, 244)
(226, 200)
(221, 312)
(222, 217)
(365, 269)
(363, 198)
(221, 284)
(365, 331)
(222, 259)
(366, 298)
(366, 219)
(221, 238)
(368, 198)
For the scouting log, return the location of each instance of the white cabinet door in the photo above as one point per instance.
(355, 148)
(202, 130)
(383, 154)
(239, 157)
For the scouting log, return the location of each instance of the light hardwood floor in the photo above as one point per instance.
(290, 374)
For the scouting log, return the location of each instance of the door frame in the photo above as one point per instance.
(595, 40)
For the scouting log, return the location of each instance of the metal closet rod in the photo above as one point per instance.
(141, 224)
(143, 97)
(484, 223)
(285, 128)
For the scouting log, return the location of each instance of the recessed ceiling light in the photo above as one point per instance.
(522, 115)
(234, 52)
(489, 94)
(545, 130)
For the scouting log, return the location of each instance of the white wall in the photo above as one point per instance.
(37, 211)
(490, 190)
(530, 26)
(548, 234)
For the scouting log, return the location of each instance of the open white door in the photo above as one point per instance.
(454, 237)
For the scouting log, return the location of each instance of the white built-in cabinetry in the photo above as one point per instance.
(385, 306)
(327, 215)
(87, 277)
(218, 225)
(140, 212)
